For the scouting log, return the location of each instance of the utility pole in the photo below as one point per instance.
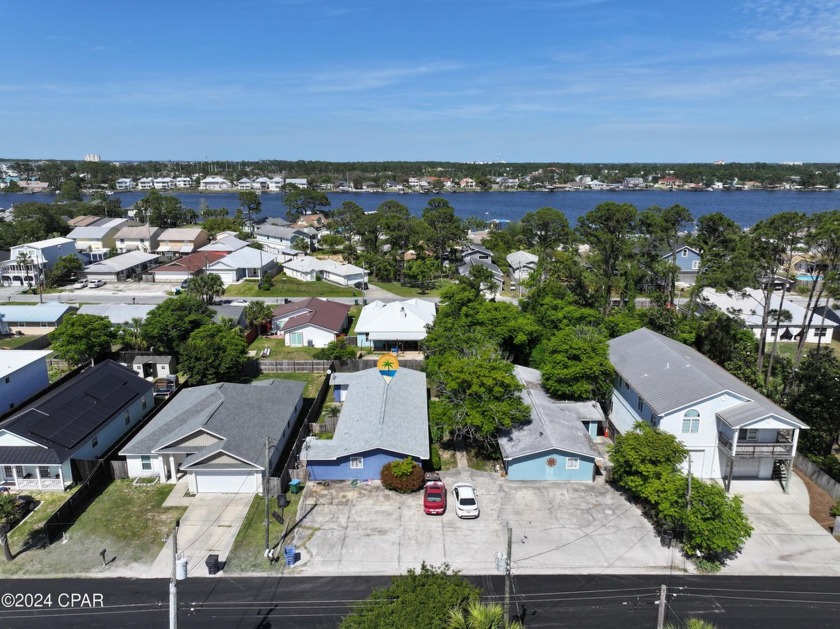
(507, 572)
(660, 619)
(173, 581)
(265, 491)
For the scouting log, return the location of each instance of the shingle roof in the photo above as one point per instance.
(69, 416)
(378, 415)
(118, 314)
(669, 375)
(554, 424)
(245, 258)
(243, 415)
(228, 243)
(190, 263)
(138, 232)
(323, 313)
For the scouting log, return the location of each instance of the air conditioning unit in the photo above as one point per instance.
(310, 343)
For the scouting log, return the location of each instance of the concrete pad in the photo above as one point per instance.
(209, 526)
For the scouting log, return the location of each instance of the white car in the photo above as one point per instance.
(81, 284)
(97, 283)
(466, 506)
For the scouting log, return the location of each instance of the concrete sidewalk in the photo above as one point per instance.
(209, 526)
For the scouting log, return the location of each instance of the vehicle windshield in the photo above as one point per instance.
(434, 497)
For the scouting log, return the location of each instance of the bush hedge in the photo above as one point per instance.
(395, 478)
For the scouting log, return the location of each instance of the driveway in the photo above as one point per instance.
(209, 526)
(573, 528)
(786, 540)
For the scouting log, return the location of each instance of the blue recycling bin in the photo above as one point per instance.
(289, 551)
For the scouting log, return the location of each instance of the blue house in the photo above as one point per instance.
(379, 422)
(557, 443)
(688, 260)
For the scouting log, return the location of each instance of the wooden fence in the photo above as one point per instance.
(292, 468)
(823, 480)
(290, 366)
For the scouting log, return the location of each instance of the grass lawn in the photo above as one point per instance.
(128, 521)
(247, 554)
(789, 349)
(354, 313)
(407, 291)
(478, 460)
(285, 286)
(279, 351)
(12, 342)
(313, 381)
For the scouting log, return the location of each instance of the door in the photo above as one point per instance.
(746, 468)
(224, 482)
(697, 458)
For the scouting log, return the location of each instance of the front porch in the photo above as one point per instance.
(764, 455)
(34, 478)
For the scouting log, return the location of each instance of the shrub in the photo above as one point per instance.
(828, 464)
(435, 458)
(835, 509)
(395, 477)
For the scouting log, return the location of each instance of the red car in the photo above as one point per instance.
(434, 497)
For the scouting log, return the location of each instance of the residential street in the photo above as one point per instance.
(595, 600)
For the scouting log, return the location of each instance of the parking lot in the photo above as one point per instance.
(556, 527)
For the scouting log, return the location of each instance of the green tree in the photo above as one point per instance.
(643, 457)
(577, 365)
(546, 229)
(445, 229)
(715, 524)
(304, 201)
(206, 286)
(336, 350)
(346, 220)
(64, 269)
(422, 271)
(214, 353)
(607, 230)
(13, 186)
(421, 598)
(479, 615)
(169, 324)
(479, 394)
(8, 512)
(250, 200)
(663, 227)
(161, 211)
(70, 191)
(80, 338)
(258, 314)
(815, 397)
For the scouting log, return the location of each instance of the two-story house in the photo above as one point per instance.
(137, 238)
(28, 262)
(181, 241)
(730, 430)
(688, 261)
(95, 240)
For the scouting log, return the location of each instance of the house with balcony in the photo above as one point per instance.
(164, 183)
(95, 240)
(124, 184)
(81, 419)
(181, 241)
(278, 237)
(275, 184)
(214, 183)
(28, 262)
(729, 428)
(137, 238)
(145, 183)
(183, 182)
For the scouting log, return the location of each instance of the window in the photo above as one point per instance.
(747, 434)
(626, 385)
(146, 463)
(685, 253)
(7, 471)
(819, 332)
(95, 442)
(295, 339)
(356, 463)
(695, 265)
(8, 379)
(44, 471)
(691, 422)
(572, 463)
(127, 418)
(620, 382)
(640, 405)
(144, 404)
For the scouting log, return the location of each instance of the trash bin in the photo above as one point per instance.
(294, 486)
(289, 551)
(212, 564)
(667, 538)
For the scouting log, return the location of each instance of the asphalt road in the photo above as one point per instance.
(309, 602)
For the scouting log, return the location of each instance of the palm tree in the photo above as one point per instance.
(258, 313)
(481, 616)
(134, 329)
(7, 512)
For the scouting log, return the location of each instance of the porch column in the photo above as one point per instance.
(729, 475)
(789, 465)
(162, 470)
(61, 476)
(38, 476)
(14, 476)
(173, 468)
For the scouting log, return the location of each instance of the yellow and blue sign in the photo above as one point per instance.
(387, 366)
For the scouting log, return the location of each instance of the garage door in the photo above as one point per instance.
(746, 468)
(224, 482)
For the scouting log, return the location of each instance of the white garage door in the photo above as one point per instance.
(224, 482)
(746, 468)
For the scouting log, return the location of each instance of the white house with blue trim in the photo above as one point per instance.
(379, 422)
(556, 444)
(730, 430)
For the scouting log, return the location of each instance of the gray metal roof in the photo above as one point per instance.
(554, 424)
(242, 415)
(118, 314)
(378, 415)
(669, 375)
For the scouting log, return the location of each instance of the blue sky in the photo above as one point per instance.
(462, 80)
